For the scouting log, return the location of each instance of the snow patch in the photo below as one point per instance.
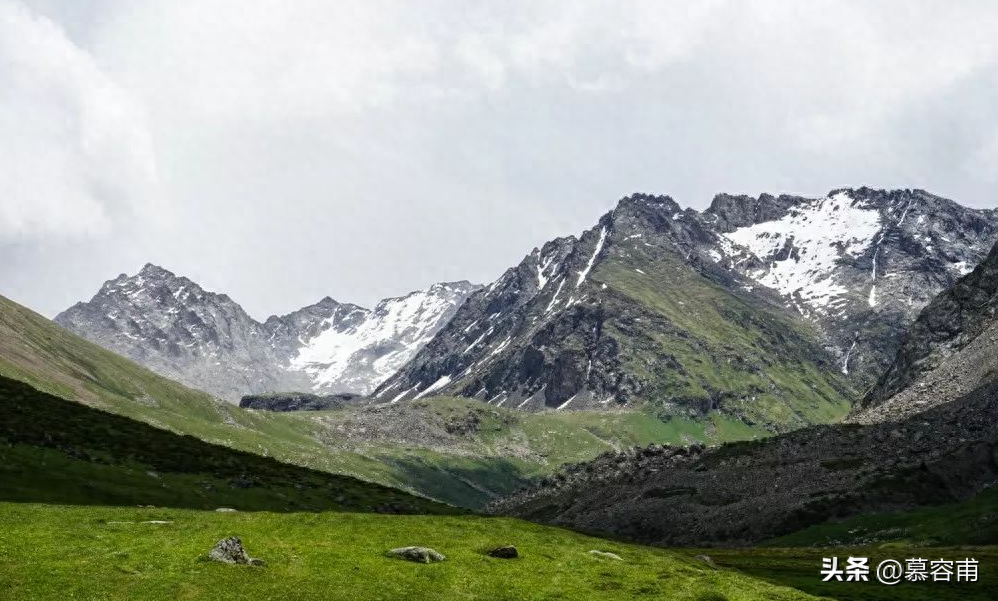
(592, 259)
(443, 381)
(819, 232)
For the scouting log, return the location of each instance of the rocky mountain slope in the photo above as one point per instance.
(297, 401)
(634, 310)
(206, 340)
(951, 348)
(752, 306)
(859, 264)
(743, 493)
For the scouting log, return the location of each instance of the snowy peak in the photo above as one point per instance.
(173, 326)
(859, 263)
(206, 340)
(356, 350)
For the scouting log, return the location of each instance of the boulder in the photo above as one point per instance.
(507, 552)
(417, 554)
(230, 550)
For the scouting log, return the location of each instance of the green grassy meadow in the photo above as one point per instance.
(114, 553)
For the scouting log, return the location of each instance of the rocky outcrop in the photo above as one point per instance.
(298, 401)
(744, 493)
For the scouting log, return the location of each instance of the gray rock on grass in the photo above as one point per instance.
(505, 552)
(417, 554)
(230, 550)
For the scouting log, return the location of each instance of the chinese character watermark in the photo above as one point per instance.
(892, 571)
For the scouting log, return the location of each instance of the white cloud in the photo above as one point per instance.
(379, 145)
(74, 153)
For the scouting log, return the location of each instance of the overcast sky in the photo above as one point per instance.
(281, 150)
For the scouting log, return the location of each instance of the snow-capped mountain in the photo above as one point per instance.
(360, 348)
(704, 310)
(173, 326)
(634, 310)
(859, 264)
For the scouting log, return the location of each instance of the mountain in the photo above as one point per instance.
(929, 438)
(633, 310)
(206, 340)
(459, 451)
(951, 349)
(771, 308)
(55, 361)
(745, 493)
(355, 349)
(859, 263)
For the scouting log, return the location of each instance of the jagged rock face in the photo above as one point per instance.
(951, 348)
(599, 321)
(205, 340)
(176, 328)
(744, 493)
(859, 264)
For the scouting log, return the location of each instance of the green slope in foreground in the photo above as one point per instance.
(466, 468)
(112, 554)
(57, 451)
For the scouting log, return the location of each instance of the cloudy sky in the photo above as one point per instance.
(284, 150)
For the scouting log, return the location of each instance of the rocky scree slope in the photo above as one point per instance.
(951, 348)
(634, 310)
(744, 493)
(206, 340)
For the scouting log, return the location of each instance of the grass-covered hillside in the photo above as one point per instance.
(459, 451)
(119, 554)
(699, 346)
(57, 451)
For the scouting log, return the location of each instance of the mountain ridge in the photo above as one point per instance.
(205, 339)
(852, 267)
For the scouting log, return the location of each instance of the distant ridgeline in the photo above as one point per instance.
(772, 311)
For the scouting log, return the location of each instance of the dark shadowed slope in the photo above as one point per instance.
(58, 451)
